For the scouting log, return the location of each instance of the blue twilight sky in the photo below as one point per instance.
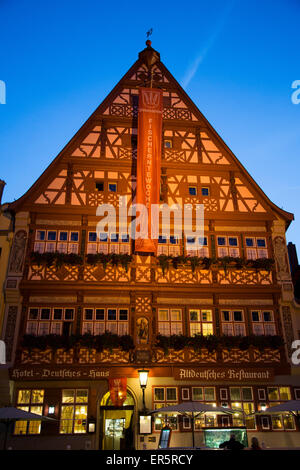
(237, 59)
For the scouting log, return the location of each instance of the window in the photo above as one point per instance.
(203, 394)
(62, 241)
(115, 243)
(261, 394)
(205, 191)
(73, 419)
(170, 321)
(168, 245)
(263, 322)
(228, 246)
(32, 401)
(193, 190)
(185, 393)
(96, 321)
(112, 187)
(279, 393)
(165, 396)
(233, 323)
(197, 249)
(256, 248)
(242, 403)
(200, 322)
(100, 185)
(297, 393)
(168, 143)
(44, 320)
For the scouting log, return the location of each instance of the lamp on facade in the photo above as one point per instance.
(143, 377)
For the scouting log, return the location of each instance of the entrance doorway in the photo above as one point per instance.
(117, 424)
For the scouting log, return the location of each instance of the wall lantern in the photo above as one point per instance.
(92, 425)
(143, 377)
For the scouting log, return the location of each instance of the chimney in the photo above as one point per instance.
(2, 184)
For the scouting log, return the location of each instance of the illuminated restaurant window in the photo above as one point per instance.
(233, 323)
(62, 241)
(263, 322)
(96, 321)
(243, 405)
(170, 321)
(73, 418)
(228, 246)
(279, 393)
(115, 243)
(256, 248)
(200, 322)
(31, 401)
(165, 396)
(44, 320)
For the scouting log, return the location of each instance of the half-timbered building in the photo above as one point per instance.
(85, 312)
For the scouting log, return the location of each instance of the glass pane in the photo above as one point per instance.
(45, 314)
(82, 396)
(99, 313)
(57, 314)
(112, 314)
(197, 393)
(255, 316)
(163, 315)
(238, 316)
(206, 315)
(285, 393)
(232, 241)
(37, 396)
(171, 394)
(288, 421)
(175, 315)
(159, 394)
(207, 329)
(74, 237)
(88, 314)
(63, 236)
(209, 393)
(235, 393)
(66, 421)
(226, 315)
(123, 314)
(24, 396)
(51, 236)
(247, 393)
(80, 419)
(195, 315)
(68, 396)
(276, 422)
(69, 313)
(221, 241)
(273, 393)
(195, 329)
(33, 313)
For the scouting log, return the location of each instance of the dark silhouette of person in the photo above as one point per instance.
(255, 444)
(232, 444)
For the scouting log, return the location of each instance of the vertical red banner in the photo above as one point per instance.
(118, 390)
(149, 159)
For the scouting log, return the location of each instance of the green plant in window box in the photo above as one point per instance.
(163, 261)
(195, 262)
(56, 259)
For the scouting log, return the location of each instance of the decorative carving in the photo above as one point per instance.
(18, 251)
(142, 330)
(288, 328)
(10, 330)
(281, 258)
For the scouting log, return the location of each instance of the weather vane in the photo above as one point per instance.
(149, 32)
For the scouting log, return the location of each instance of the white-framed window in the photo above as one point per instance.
(170, 321)
(233, 322)
(200, 322)
(185, 393)
(297, 393)
(261, 394)
(256, 247)
(242, 403)
(169, 246)
(223, 394)
(63, 241)
(263, 322)
(115, 243)
(45, 320)
(98, 320)
(197, 247)
(228, 246)
(205, 394)
(279, 393)
(165, 396)
(74, 411)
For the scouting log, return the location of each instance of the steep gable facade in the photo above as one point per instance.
(84, 313)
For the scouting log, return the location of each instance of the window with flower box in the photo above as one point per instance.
(45, 320)
(165, 396)
(201, 322)
(228, 246)
(169, 246)
(233, 323)
(51, 241)
(170, 321)
(96, 321)
(74, 411)
(115, 243)
(201, 250)
(256, 247)
(33, 402)
(263, 322)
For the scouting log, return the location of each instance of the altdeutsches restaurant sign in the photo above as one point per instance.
(234, 374)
